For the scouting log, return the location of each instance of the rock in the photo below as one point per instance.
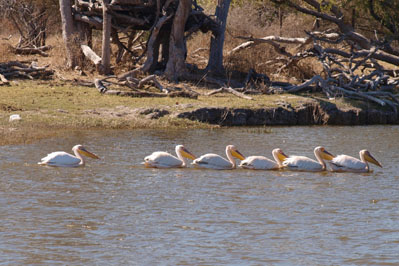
(15, 117)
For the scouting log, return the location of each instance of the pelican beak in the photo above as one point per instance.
(238, 154)
(282, 156)
(327, 156)
(371, 159)
(88, 154)
(188, 154)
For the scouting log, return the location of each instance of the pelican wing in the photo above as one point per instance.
(346, 163)
(302, 163)
(60, 158)
(162, 159)
(212, 161)
(258, 163)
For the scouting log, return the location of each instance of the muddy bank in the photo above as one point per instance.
(311, 113)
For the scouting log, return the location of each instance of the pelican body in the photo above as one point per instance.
(161, 159)
(263, 163)
(63, 159)
(214, 161)
(345, 163)
(302, 163)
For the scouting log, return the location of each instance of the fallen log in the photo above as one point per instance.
(93, 57)
(229, 90)
(361, 95)
(19, 69)
(90, 54)
(306, 84)
(154, 80)
(3, 80)
(32, 50)
(141, 94)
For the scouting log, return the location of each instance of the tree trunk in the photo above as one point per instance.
(215, 63)
(68, 33)
(84, 30)
(153, 45)
(106, 42)
(176, 67)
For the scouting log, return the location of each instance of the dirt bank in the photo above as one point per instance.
(311, 113)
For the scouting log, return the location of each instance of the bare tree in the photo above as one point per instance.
(68, 32)
(177, 47)
(106, 41)
(29, 19)
(215, 62)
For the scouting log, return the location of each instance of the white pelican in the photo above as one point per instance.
(263, 163)
(345, 163)
(302, 163)
(161, 159)
(63, 159)
(214, 161)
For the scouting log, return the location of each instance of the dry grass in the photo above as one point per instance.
(256, 20)
(49, 108)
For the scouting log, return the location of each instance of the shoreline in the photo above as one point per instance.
(50, 108)
(308, 114)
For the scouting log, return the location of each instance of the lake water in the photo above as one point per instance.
(115, 212)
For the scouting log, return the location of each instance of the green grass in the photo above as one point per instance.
(48, 108)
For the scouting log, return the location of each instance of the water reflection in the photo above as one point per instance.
(114, 211)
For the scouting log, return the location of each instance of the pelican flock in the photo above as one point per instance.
(63, 159)
(161, 159)
(345, 163)
(214, 161)
(263, 163)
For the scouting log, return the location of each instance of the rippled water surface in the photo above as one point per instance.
(114, 212)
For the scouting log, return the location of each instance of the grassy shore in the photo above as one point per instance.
(48, 108)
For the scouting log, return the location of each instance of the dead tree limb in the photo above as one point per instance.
(15, 69)
(92, 56)
(152, 78)
(32, 50)
(297, 88)
(229, 90)
(3, 80)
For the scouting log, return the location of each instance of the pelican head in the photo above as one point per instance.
(280, 154)
(233, 150)
(368, 157)
(82, 150)
(184, 152)
(323, 153)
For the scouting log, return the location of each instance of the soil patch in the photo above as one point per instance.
(9, 108)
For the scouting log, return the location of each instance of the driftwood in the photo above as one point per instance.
(3, 80)
(32, 50)
(272, 40)
(152, 78)
(140, 94)
(91, 55)
(352, 71)
(100, 86)
(229, 90)
(17, 69)
(136, 85)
